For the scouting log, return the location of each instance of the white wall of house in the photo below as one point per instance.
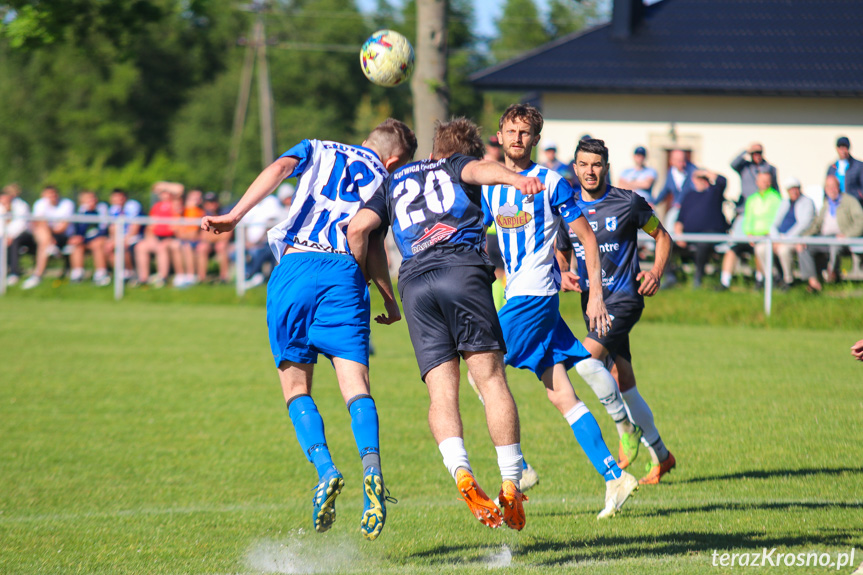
(798, 134)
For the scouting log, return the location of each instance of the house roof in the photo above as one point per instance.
(731, 47)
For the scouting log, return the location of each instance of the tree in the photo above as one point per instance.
(519, 30)
(431, 97)
(567, 16)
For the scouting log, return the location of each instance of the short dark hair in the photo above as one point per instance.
(592, 146)
(458, 136)
(119, 191)
(394, 138)
(524, 112)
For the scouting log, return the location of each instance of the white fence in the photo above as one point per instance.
(119, 223)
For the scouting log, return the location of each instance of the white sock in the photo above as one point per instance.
(643, 417)
(509, 459)
(576, 412)
(759, 276)
(603, 385)
(100, 273)
(725, 279)
(76, 274)
(454, 454)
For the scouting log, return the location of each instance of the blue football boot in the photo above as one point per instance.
(324, 501)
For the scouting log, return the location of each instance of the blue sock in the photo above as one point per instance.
(309, 427)
(523, 463)
(589, 437)
(364, 424)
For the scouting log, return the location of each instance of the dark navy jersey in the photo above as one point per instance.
(615, 218)
(436, 218)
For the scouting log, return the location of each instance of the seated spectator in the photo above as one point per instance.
(841, 216)
(758, 217)
(51, 236)
(187, 239)
(211, 243)
(848, 170)
(17, 232)
(158, 237)
(701, 213)
(793, 218)
(259, 220)
(119, 204)
(89, 236)
(639, 178)
(678, 182)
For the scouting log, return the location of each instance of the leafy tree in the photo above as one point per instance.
(519, 30)
(566, 16)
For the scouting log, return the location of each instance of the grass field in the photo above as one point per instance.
(145, 437)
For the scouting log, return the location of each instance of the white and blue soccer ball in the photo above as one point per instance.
(387, 58)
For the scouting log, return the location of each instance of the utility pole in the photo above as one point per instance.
(428, 84)
(256, 48)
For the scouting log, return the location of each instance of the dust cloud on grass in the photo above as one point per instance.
(299, 553)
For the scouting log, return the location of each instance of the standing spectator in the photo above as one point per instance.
(841, 216)
(493, 151)
(848, 170)
(89, 236)
(550, 161)
(211, 242)
(793, 218)
(158, 237)
(701, 213)
(678, 182)
(51, 236)
(639, 178)
(119, 204)
(758, 217)
(18, 235)
(749, 170)
(187, 240)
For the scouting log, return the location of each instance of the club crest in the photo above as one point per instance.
(611, 223)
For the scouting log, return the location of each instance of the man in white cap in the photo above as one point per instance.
(793, 218)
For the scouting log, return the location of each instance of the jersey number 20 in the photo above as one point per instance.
(439, 195)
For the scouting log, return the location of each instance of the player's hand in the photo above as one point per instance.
(600, 322)
(530, 186)
(649, 283)
(857, 350)
(392, 314)
(569, 282)
(218, 224)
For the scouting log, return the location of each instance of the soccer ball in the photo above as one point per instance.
(387, 58)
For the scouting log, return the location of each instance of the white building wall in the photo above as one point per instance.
(798, 134)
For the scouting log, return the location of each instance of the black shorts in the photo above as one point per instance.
(492, 247)
(741, 249)
(450, 311)
(617, 339)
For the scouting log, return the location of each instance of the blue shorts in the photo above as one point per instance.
(318, 303)
(536, 336)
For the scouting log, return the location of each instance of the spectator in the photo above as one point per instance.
(848, 170)
(550, 161)
(158, 237)
(187, 238)
(793, 218)
(701, 213)
(119, 204)
(211, 242)
(493, 151)
(678, 182)
(259, 220)
(758, 217)
(17, 231)
(749, 170)
(639, 178)
(89, 236)
(841, 216)
(51, 236)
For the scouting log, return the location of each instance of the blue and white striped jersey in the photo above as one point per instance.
(335, 180)
(527, 228)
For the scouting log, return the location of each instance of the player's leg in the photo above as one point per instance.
(662, 459)
(442, 382)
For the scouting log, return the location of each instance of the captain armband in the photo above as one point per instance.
(651, 224)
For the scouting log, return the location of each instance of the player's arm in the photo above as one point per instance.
(264, 185)
(367, 247)
(650, 279)
(488, 173)
(596, 312)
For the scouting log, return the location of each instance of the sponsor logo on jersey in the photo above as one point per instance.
(611, 223)
(594, 226)
(511, 218)
(315, 246)
(438, 233)
(608, 247)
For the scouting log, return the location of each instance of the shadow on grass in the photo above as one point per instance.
(766, 506)
(771, 473)
(557, 552)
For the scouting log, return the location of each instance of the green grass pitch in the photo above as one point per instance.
(151, 438)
